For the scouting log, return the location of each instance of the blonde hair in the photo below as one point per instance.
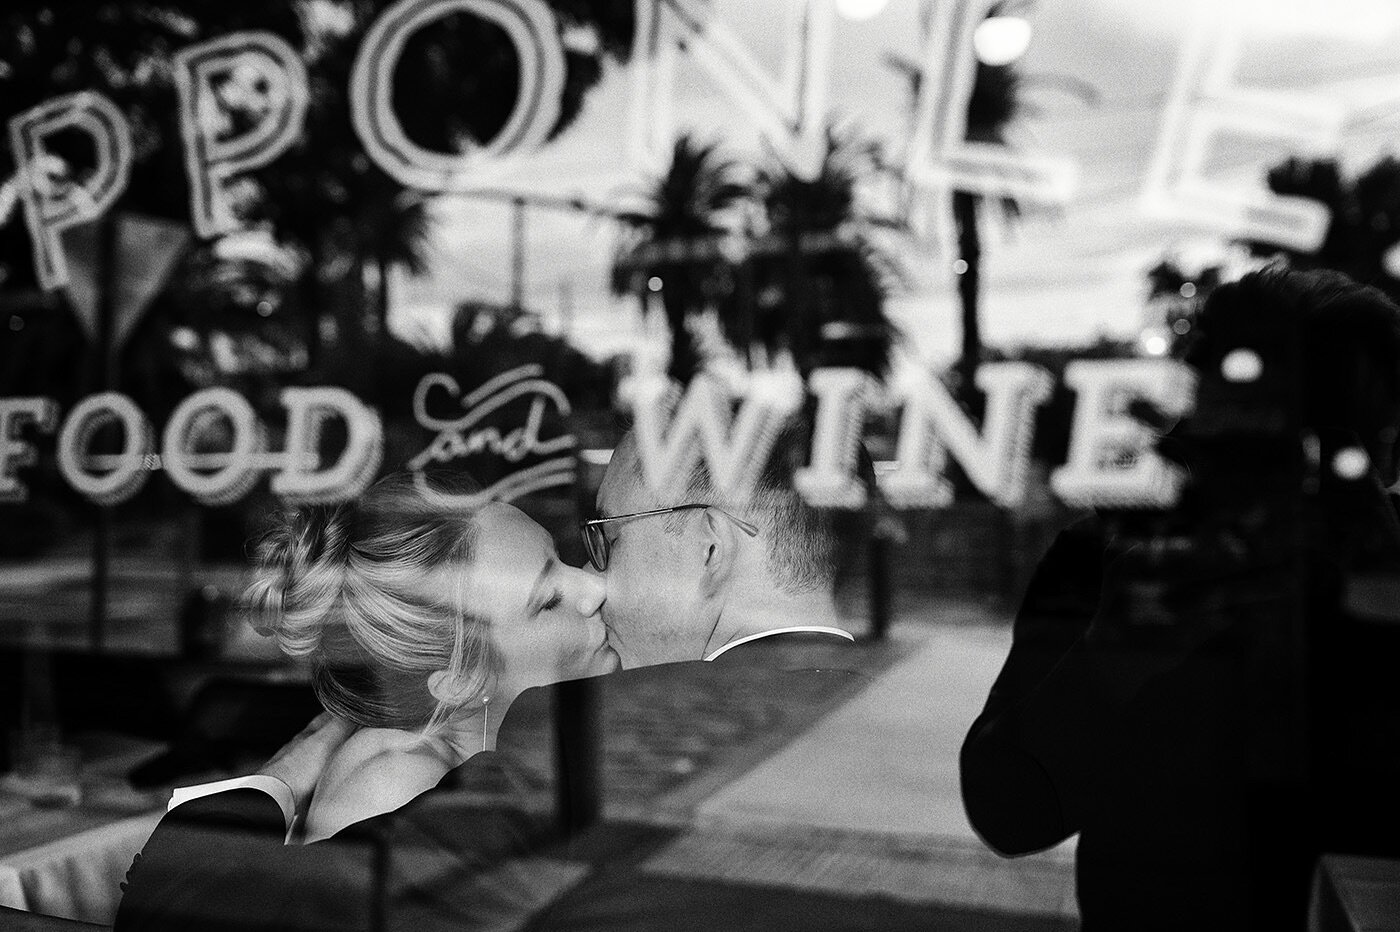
(348, 586)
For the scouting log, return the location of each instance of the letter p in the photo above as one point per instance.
(205, 75)
(51, 204)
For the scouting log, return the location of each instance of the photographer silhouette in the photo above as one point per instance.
(1201, 693)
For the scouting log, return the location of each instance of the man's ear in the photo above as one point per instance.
(721, 545)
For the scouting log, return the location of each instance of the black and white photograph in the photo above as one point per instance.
(700, 465)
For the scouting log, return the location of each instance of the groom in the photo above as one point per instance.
(687, 581)
(690, 578)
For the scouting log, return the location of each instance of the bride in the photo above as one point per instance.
(421, 623)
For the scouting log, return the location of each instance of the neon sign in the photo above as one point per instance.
(222, 418)
(675, 431)
(532, 30)
(51, 207)
(209, 160)
(466, 434)
(1206, 105)
(210, 477)
(940, 158)
(791, 116)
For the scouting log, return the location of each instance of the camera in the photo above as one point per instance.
(1238, 524)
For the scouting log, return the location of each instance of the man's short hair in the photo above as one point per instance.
(803, 544)
(1349, 346)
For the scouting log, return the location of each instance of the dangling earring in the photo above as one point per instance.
(485, 719)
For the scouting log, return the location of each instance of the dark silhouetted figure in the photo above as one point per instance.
(1208, 696)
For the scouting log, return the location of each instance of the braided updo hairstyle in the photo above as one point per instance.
(353, 588)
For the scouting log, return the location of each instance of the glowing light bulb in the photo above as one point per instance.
(1351, 463)
(1242, 366)
(1391, 261)
(1000, 40)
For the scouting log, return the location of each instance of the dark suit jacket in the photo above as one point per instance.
(444, 860)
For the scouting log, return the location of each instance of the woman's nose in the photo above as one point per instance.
(591, 591)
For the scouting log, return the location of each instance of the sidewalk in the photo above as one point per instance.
(867, 802)
(920, 708)
(845, 807)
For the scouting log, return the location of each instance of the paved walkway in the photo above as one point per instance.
(867, 801)
(887, 760)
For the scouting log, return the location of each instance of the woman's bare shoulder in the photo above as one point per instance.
(368, 744)
(377, 770)
(376, 754)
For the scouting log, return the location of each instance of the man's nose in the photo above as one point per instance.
(592, 591)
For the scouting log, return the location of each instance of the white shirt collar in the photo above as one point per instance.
(818, 629)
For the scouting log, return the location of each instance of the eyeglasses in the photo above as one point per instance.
(597, 544)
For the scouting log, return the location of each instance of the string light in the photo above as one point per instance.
(1000, 40)
(1154, 344)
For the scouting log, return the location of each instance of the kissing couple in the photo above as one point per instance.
(428, 632)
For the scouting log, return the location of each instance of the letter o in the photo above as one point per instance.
(229, 479)
(88, 417)
(531, 27)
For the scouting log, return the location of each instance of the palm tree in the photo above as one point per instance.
(1167, 280)
(670, 244)
(1174, 298)
(995, 103)
(990, 110)
(814, 284)
(1365, 225)
(398, 226)
(454, 88)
